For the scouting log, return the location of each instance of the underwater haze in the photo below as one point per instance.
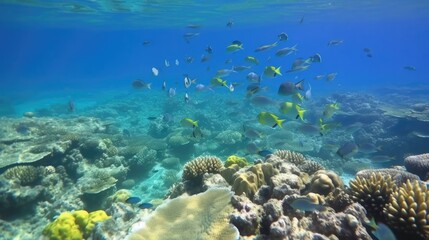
(127, 109)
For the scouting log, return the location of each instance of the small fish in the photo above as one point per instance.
(152, 118)
(190, 35)
(186, 98)
(335, 42)
(71, 106)
(188, 82)
(231, 87)
(286, 51)
(164, 86)
(315, 58)
(177, 62)
(319, 77)
(253, 77)
(272, 71)
(155, 71)
(289, 88)
(146, 42)
(331, 76)
(197, 133)
(166, 63)
(139, 84)
(209, 49)
(302, 20)
(224, 72)
(265, 47)
(292, 110)
(330, 109)
(187, 122)
(189, 59)
(193, 26)
(205, 58)
(171, 92)
(383, 232)
(218, 82)
(269, 119)
(228, 61)
(306, 204)
(367, 50)
(251, 59)
(262, 101)
(264, 153)
(254, 88)
(381, 158)
(201, 87)
(298, 68)
(283, 36)
(133, 200)
(145, 205)
(347, 149)
(230, 23)
(240, 68)
(410, 68)
(307, 95)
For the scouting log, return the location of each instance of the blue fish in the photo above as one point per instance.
(305, 204)
(383, 232)
(264, 153)
(146, 205)
(133, 200)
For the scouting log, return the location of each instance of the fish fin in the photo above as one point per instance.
(277, 71)
(300, 85)
(280, 122)
(149, 86)
(274, 126)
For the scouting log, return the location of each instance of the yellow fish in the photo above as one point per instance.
(187, 122)
(251, 59)
(218, 82)
(330, 109)
(272, 71)
(292, 110)
(234, 48)
(270, 119)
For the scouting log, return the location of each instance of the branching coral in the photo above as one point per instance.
(200, 165)
(408, 210)
(26, 175)
(373, 193)
(293, 157)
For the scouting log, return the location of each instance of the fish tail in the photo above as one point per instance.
(280, 122)
(149, 86)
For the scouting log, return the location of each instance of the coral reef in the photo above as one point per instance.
(200, 165)
(373, 193)
(26, 175)
(249, 181)
(293, 157)
(397, 175)
(202, 216)
(325, 182)
(408, 210)
(418, 164)
(233, 159)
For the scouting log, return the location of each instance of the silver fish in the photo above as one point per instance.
(171, 92)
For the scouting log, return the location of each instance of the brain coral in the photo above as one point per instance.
(324, 182)
(408, 210)
(373, 193)
(250, 181)
(418, 164)
(201, 165)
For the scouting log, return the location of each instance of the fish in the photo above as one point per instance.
(286, 51)
(218, 82)
(189, 59)
(270, 119)
(306, 204)
(146, 42)
(264, 153)
(193, 26)
(187, 122)
(177, 62)
(326, 126)
(309, 129)
(410, 68)
(367, 147)
(289, 88)
(330, 110)
(315, 58)
(298, 68)
(145, 205)
(302, 20)
(171, 92)
(335, 42)
(282, 36)
(151, 118)
(139, 84)
(164, 86)
(297, 97)
(265, 47)
(209, 49)
(319, 77)
(205, 58)
(224, 72)
(234, 48)
(240, 68)
(347, 149)
(197, 133)
(228, 61)
(251, 59)
(262, 101)
(166, 63)
(383, 232)
(201, 87)
(292, 110)
(381, 158)
(186, 97)
(230, 23)
(190, 35)
(231, 87)
(71, 107)
(133, 200)
(272, 71)
(155, 71)
(253, 77)
(188, 82)
(254, 88)
(331, 76)
(307, 95)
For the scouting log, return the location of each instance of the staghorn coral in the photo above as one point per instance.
(418, 164)
(324, 182)
(200, 165)
(201, 216)
(408, 210)
(293, 157)
(26, 175)
(372, 193)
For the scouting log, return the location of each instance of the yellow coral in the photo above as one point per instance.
(74, 226)
(234, 159)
